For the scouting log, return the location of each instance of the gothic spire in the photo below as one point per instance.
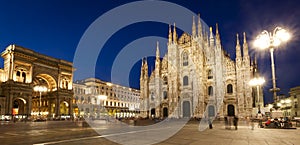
(199, 26)
(142, 68)
(157, 61)
(238, 47)
(146, 68)
(170, 34)
(211, 37)
(194, 28)
(245, 46)
(218, 40)
(174, 34)
(157, 50)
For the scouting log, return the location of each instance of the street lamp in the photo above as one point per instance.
(101, 98)
(40, 89)
(268, 40)
(257, 82)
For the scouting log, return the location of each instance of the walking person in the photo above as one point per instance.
(210, 123)
(252, 123)
(235, 122)
(226, 122)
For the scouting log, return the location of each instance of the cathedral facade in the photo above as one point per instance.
(197, 78)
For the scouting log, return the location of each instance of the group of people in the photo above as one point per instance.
(278, 123)
(229, 120)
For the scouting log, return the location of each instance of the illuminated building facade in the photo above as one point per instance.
(23, 70)
(119, 101)
(197, 78)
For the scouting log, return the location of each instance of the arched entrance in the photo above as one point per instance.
(19, 106)
(211, 111)
(64, 108)
(165, 112)
(152, 112)
(186, 112)
(230, 110)
(45, 80)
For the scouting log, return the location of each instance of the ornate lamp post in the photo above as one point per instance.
(40, 89)
(257, 82)
(268, 40)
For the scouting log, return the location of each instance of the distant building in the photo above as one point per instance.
(119, 101)
(196, 75)
(25, 69)
(295, 96)
(288, 105)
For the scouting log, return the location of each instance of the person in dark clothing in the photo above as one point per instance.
(210, 124)
(235, 122)
(226, 122)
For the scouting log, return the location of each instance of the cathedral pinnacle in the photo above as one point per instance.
(174, 34)
(245, 46)
(170, 34)
(157, 50)
(238, 47)
(237, 40)
(199, 26)
(218, 41)
(211, 42)
(194, 28)
(245, 41)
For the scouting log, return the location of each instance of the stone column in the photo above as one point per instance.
(71, 107)
(29, 105)
(9, 104)
(49, 108)
(57, 106)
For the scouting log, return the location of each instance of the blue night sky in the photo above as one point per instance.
(55, 27)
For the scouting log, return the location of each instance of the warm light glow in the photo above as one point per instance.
(262, 41)
(282, 34)
(267, 40)
(109, 84)
(278, 104)
(281, 101)
(256, 81)
(102, 97)
(270, 106)
(40, 89)
(288, 101)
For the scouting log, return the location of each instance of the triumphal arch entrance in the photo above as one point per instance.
(33, 84)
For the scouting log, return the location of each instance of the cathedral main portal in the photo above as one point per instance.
(186, 111)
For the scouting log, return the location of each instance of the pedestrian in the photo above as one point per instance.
(229, 122)
(226, 122)
(210, 124)
(252, 124)
(235, 122)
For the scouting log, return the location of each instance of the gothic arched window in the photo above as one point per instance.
(229, 89)
(185, 59)
(185, 81)
(152, 96)
(165, 95)
(89, 99)
(76, 99)
(18, 73)
(210, 90)
(82, 99)
(209, 74)
(165, 80)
